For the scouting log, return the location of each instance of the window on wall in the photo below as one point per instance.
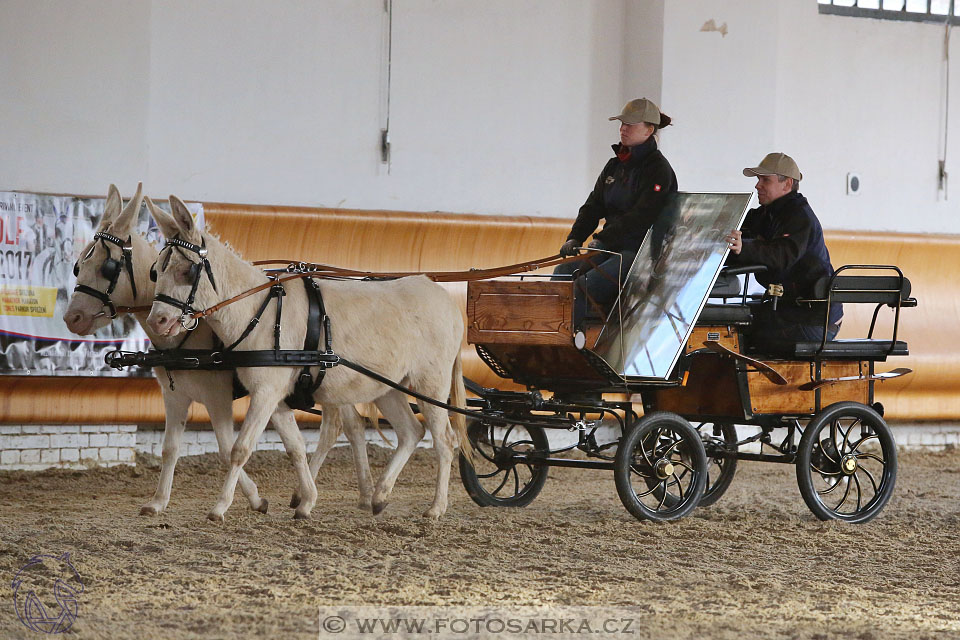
(914, 10)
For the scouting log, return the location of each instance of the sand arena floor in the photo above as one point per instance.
(756, 564)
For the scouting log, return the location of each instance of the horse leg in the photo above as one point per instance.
(355, 429)
(330, 428)
(286, 425)
(175, 407)
(221, 418)
(253, 425)
(396, 410)
(444, 442)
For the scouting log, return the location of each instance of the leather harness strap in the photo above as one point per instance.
(325, 271)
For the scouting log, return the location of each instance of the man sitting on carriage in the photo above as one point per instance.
(784, 235)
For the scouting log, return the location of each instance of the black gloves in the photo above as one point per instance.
(569, 248)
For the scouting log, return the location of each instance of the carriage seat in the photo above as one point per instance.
(713, 314)
(880, 290)
(851, 349)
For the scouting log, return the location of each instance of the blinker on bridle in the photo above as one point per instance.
(194, 274)
(110, 269)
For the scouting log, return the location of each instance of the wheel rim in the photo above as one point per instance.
(662, 471)
(849, 468)
(498, 474)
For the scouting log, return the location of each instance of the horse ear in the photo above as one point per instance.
(111, 209)
(166, 223)
(184, 219)
(128, 216)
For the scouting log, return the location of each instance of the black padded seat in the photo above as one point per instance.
(724, 314)
(851, 349)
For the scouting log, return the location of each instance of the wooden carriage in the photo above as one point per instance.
(821, 393)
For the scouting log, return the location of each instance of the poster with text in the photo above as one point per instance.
(41, 237)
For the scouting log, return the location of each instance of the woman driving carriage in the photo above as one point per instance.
(631, 192)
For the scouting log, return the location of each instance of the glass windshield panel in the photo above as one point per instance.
(668, 283)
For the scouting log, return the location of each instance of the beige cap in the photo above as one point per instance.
(775, 164)
(642, 110)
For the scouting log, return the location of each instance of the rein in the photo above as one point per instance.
(301, 270)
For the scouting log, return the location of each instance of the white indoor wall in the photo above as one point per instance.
(839, 94)
(75, 91)
(496, 107)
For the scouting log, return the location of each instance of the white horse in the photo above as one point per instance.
(103, 267)
(408, 330)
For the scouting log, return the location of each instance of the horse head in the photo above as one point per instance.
(182, 272)
(105, 271)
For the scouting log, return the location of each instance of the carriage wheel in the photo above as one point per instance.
(720, 470)
(847, 463)
(495, 479)
(660, 467)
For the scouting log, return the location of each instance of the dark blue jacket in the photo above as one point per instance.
(629, 195)
(786, 237)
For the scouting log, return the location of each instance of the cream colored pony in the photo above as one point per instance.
(86, 314)
(408, 330)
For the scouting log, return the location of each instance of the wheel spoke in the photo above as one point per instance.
(859, 492)
(679, 487)
(833, 439)
(643, 452)
(832, 487)
(489, 475)
(846, 436)
(856, 445)
(663, 496)
(871, 456)
(822, 472)
(635, 469)
(876, 490)
(483, 454)
(516, 481)
(506, 477)
(846, 493)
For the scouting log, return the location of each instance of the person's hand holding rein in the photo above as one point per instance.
(570, 248)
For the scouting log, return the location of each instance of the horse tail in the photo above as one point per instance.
(458, 398)
(369, 411)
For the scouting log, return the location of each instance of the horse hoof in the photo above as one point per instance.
(377, 507)
(147, 510)
(215, 517)
(264, 505)
(294, 501)
(297, 515)
(431, 514)
(365, 505)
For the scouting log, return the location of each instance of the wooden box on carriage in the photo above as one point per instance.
(524, 330)
(520, 312)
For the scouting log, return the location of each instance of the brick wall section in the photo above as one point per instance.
(36, 447)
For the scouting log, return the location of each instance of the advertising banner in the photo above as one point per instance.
(40, 240)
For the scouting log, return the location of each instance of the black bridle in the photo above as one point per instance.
(196, 271)
(110, 269)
